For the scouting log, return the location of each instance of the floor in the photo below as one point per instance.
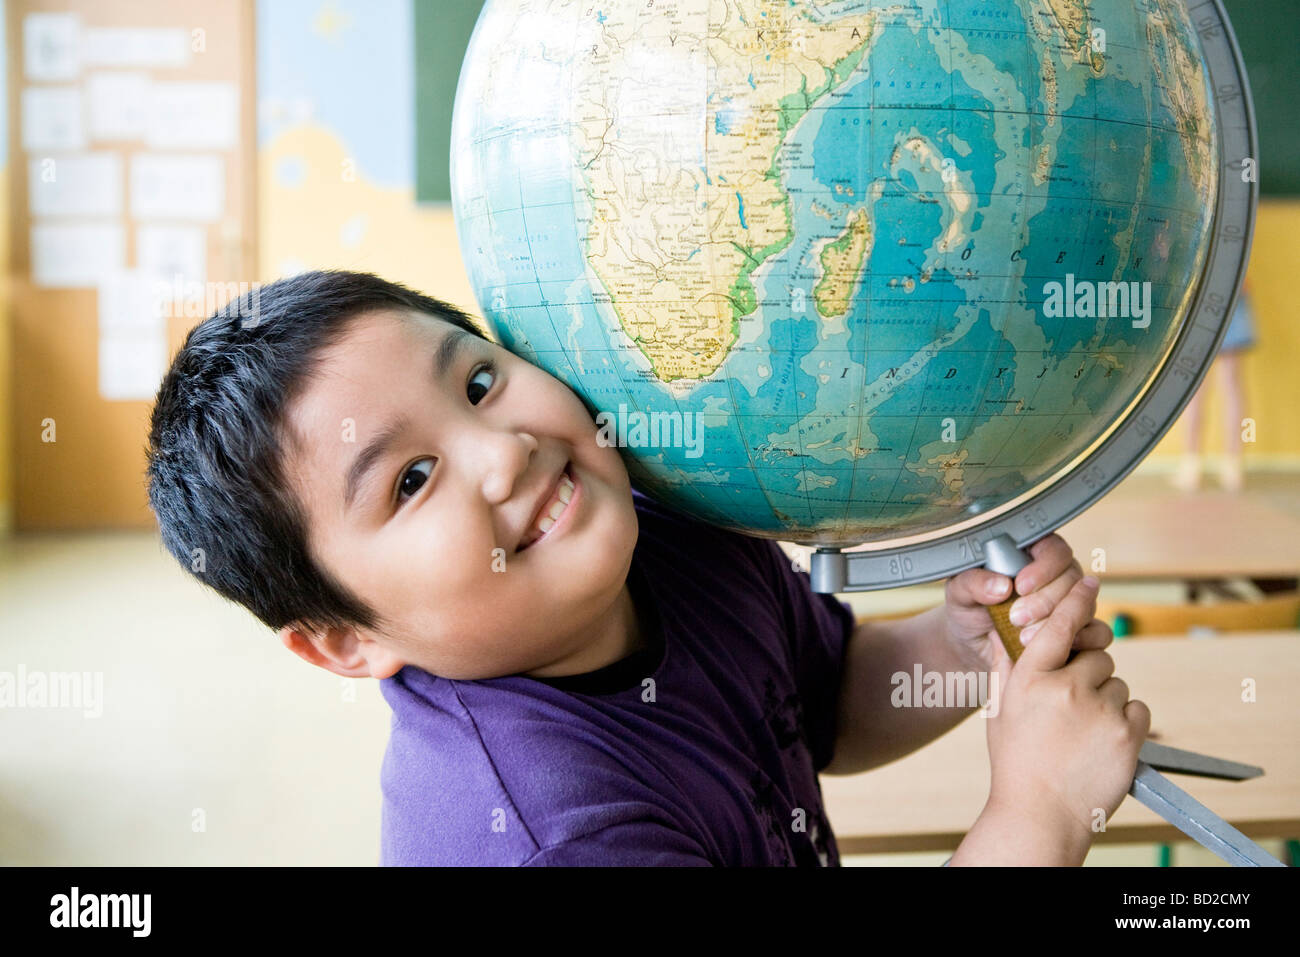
(216, 745)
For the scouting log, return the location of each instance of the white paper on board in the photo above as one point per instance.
(130, 301)
(192, 116)
(178, 186)
(52, 119)
(131, 364)
(75, 184)
(72, 255)
(156, 47)
(117, 105)
(173, 253)
(51, 47)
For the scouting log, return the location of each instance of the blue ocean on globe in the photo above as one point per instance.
(843, 272)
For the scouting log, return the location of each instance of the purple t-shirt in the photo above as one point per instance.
(714, 761)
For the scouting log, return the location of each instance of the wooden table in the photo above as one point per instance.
(1188, 536)
(927, 800)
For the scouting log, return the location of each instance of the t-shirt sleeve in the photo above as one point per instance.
(626, 844)
(818, 627)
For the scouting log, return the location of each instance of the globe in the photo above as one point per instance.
(846, 272)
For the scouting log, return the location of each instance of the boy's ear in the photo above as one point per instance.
(342, 651)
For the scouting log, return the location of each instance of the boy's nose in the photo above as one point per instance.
(505, 460)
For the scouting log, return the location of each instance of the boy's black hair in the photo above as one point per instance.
(216, 437)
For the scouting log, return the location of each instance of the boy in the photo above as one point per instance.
(579, 675)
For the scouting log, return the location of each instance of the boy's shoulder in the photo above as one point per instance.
(522, 766)
(462, 731)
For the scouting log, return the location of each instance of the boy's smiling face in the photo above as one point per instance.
(425, 527)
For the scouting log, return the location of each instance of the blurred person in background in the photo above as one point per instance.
(1239, 338)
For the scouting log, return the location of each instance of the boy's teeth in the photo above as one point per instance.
(564, 495)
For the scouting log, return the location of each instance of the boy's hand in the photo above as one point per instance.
(1064, 741)
(1041, 584)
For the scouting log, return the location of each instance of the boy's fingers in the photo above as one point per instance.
(1054, 637)
(1096, 634)
(1052, 557)
(1092, 668)
(978, 586)
(1138, 716)
(1114, 691)
(1037, 606)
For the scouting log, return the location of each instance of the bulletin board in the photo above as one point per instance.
(132, 162)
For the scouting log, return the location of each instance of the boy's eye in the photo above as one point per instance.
(414, 478)
(487, 368)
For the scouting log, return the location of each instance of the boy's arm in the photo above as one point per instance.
(1035, 834)
(1062, 746)
(871, 731)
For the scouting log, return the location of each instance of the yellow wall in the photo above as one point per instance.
(6, 367)
(1272, 385)
(323, 221)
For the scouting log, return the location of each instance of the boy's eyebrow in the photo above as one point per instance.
(370, 457)
(448, 350)
(444, 357)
